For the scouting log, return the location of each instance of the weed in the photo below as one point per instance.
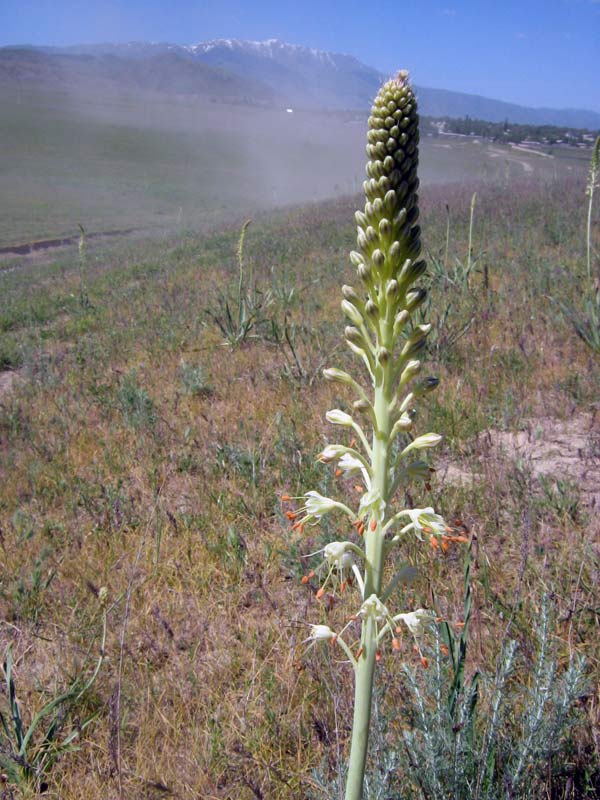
(28, 752)
(136, 404)
(562, 497)
(193, 380)
(241, 312)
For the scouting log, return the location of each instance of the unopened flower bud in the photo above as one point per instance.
(352, 312)
(425, 441)
(361, 220)
(371, 235)
(427, 385)
(350, 294)
(409, 371)
(364, 272)
(337, 375)
(361, 406)
(385, 228)
(400, 321)
(353, 335)
(378, 258)
(394, 253)
(415, 298)
(371, 308)
(337, 417)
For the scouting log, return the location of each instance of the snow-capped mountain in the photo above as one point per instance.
(270, 72)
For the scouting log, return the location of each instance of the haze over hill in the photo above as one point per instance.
(266, 73)
(158, 135)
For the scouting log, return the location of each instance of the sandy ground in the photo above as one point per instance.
(564, 450)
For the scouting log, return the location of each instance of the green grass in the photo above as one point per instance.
(122, 468)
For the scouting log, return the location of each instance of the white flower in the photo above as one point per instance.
(351, 466)
(416, 621)
(374, 608)
(338, 555)
(331, 452)
(317, 505)
(320, 633)
(372, 503)
(424, 518)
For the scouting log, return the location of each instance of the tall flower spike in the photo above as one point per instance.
(383, 335)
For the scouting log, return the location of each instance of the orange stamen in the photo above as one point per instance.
(395, 644)
(358, 488)
(338, 472)
(444, 650)
(361, 650)
(434, 542)
(311, 574)
(320, 593)
(304, 579)
(424, 662)
(353, 443)
(291, 514)
(378, 656)
(373, 524)
(285, 498)
(343, 585)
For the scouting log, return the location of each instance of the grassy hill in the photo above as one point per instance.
(138, 159)
(140, 454)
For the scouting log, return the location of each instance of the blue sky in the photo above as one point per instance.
(533, 52)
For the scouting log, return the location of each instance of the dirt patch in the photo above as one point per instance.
(565, 450)
(7, 382)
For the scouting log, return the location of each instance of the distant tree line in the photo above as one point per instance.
(509, 132)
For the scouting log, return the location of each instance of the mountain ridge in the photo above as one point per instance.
(276, 72)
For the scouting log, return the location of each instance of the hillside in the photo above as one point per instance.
(165, 72)
(139, 454)
(269, 72)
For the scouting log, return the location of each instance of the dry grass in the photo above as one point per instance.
(114, 475)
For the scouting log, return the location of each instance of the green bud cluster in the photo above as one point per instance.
(388, 238)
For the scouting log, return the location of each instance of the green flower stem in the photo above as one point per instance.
(365, 669)
(363, 691)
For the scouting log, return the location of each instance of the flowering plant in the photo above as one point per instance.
(385, 455)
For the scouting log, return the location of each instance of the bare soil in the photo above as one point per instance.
(563, 449)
